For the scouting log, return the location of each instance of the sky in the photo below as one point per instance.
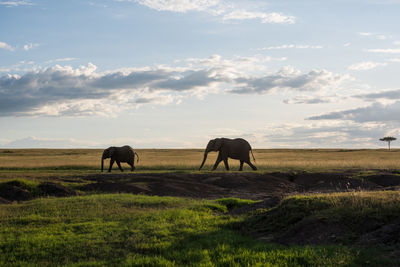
(177, 73)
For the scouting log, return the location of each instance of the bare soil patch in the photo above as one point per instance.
(54, 189)
(210, 185)
(16, 190)
(254, 186)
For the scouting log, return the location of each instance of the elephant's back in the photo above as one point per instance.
(127, 147)
(242, 142)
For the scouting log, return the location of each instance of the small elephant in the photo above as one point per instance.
(230, 148)
(119, 154)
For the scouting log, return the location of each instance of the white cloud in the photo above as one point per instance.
(327, 134)
(35, 142)
(83, 91)
(385, 50)
(65, 91)
(374, 35)
(30, 46)
(144, 142)
(222, 9)
(366, 65)
(289, 79)
(365, 33)
(20, 66)
(178, 5)
(6, 46)
(65, 59)
(376, 112)
(309, 100)
(97, 5)
(386, 95)
(235, 67)
(16, 3)
(264, 17)
(291, 46)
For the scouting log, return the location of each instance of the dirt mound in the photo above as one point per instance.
(331, 182)
(211, 186)
(313, 232)
(385, 235)
(4, 201)
(15, 191)
(319, 231)
(21, 191)
(114, 187)
(358, 219)
(384, 180)
(231, 184)
(53, 189)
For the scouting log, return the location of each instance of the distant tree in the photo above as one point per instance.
(388, 139)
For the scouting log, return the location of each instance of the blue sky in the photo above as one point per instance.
(176, 73)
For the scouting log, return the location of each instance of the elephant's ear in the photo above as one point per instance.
(111, 151)
(218, 144)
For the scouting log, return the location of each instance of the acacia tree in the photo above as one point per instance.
(388, 139)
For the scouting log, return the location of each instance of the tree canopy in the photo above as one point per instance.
(388, 139)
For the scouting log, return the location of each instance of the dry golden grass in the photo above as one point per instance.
(329, 159)
(190, 159)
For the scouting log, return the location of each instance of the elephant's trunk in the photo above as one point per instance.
(204, 160)
(102, 162)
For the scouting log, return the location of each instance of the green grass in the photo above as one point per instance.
(135, 230)
(232, 203)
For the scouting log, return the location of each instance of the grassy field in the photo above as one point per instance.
(129, 230)
(91, 229)
(190, 159)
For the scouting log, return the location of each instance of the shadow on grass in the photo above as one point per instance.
(228, 248)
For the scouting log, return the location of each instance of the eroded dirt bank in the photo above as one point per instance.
(242, 185)
(210, 185)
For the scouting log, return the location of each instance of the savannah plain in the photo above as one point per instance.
(317, 207)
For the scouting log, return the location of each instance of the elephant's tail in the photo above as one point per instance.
(251, 150)
(137, 157)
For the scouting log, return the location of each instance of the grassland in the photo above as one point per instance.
(129, 230)
(91, 228)
(190, 159)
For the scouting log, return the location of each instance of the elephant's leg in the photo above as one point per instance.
(132, 166)
(119, 166)
(251, 165)
(111, 164)
(241, 165)
(226, 164)
(219, 159)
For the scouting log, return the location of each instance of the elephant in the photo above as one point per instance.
(119, 154)
(230, 148)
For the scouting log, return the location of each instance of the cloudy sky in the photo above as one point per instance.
(176, 73)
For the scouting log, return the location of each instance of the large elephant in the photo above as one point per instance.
(119, 154)
(230, 148)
